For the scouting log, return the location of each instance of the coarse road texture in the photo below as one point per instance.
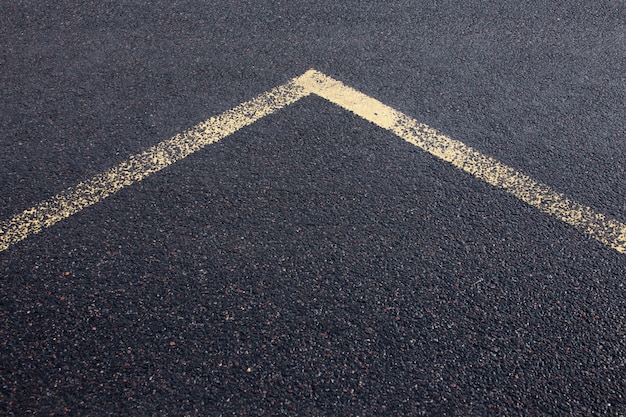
(312, 263)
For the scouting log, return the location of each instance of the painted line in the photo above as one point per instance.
(139, 166)
(609, 231)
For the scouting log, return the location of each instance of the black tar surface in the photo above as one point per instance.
(313, 264)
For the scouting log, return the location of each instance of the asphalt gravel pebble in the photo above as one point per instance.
(311, 267)
(312, 263)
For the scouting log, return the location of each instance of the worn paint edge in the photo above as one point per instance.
(609, 231)
(139, 166)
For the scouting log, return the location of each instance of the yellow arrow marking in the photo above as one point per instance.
(609, 231)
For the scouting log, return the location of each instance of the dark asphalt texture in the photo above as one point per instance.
(312, 263)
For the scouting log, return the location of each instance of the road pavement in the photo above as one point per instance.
(313, 263)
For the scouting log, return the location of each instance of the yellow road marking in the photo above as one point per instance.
(609, 231)
(139, 166)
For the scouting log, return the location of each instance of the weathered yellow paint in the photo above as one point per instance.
(609, 231)
(138, 167)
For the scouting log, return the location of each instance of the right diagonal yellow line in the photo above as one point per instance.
(609, 231)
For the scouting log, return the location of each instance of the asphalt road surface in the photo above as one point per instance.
(312, 263)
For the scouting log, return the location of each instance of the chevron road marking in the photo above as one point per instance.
(607, 230)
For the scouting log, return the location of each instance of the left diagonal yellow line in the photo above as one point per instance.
(138, 167)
